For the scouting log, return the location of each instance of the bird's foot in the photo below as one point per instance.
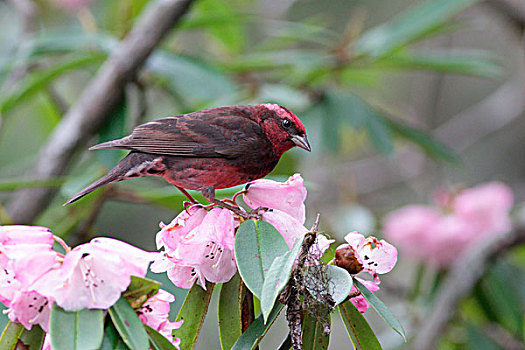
(187, 195)
(257, 213)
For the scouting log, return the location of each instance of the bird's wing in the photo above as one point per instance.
(209, 133)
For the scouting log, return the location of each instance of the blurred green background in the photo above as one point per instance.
(398, 97)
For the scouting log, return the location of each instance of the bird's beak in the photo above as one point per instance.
(301, 141)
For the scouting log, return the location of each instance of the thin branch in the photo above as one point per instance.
(27, 11)
(513, 9)
(459, 283)
(96, 103)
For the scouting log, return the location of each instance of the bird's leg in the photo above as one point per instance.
(209, 194)
(258, 212)
(184, 192)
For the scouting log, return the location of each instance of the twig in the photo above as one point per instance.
(27, 11)
(96, 103)
(459, 283)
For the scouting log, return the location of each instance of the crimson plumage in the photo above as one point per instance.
(207, 150)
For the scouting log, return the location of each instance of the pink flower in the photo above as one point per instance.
(20, 234)
(486, 208)
(441, 235)
(169, 236)
(29, 308)
(448, 239)
(409, 226)
(289, 227)
(376, 256)
(93, 275)
(47, 342)
(286, 204)
(154, 313)
(287, 197)
(199, 250)
(359, 301)
(25, 254)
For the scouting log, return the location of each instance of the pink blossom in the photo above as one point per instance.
(93, 275)
(29, 308)
(287, 197)
(289, 227)
(183, 224)
(359, 301)
(47, 342)
(448, 239)
(25, 254)
(376, 256)
(154, 313)
(8, 285)
(409, 226)
(204, 252)
(485, 207)
(441, 234)
(21, 234)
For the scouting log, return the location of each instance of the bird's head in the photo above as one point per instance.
(282, 127)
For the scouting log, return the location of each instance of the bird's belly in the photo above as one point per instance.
(197, 174)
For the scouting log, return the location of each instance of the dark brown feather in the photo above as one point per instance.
(209, 134)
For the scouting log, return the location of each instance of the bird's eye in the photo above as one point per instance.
(287, 123)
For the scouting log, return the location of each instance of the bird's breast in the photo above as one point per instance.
(198, 173)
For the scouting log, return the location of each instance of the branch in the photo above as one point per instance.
(459, 283)
(27, 11)
(513, 9)
(95, 104)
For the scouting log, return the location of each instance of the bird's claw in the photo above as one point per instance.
(257, 213)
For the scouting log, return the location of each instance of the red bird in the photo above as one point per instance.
(207, 150)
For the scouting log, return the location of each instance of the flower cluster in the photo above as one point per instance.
(198, 244)
(440, 233)
(90, 276)
(154, 313)
(365, 254)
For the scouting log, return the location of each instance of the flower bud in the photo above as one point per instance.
(345, 258)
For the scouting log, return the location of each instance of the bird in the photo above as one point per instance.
(206, 150)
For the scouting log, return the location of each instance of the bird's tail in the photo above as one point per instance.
(116, 174)
(112, 176)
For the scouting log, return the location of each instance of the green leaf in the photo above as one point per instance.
(33, 338)
(140, 290)
(70, 330)
(257, 330)
(10, 335)
(12, 185)
(410, 25)
(158, 341)
(475, 63)
(257, 244)
(325, 282)
(314, 337)
(193, 312)
(358, 329)
(277, 278)
(349, 108)
(230, 309)
(381, 309)
(112, 340)
(196, 83)
(428, 144)
(39, 79)
(342, 282)
(500, 296)
(478, 339)
(230, 33)
(128, 325)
